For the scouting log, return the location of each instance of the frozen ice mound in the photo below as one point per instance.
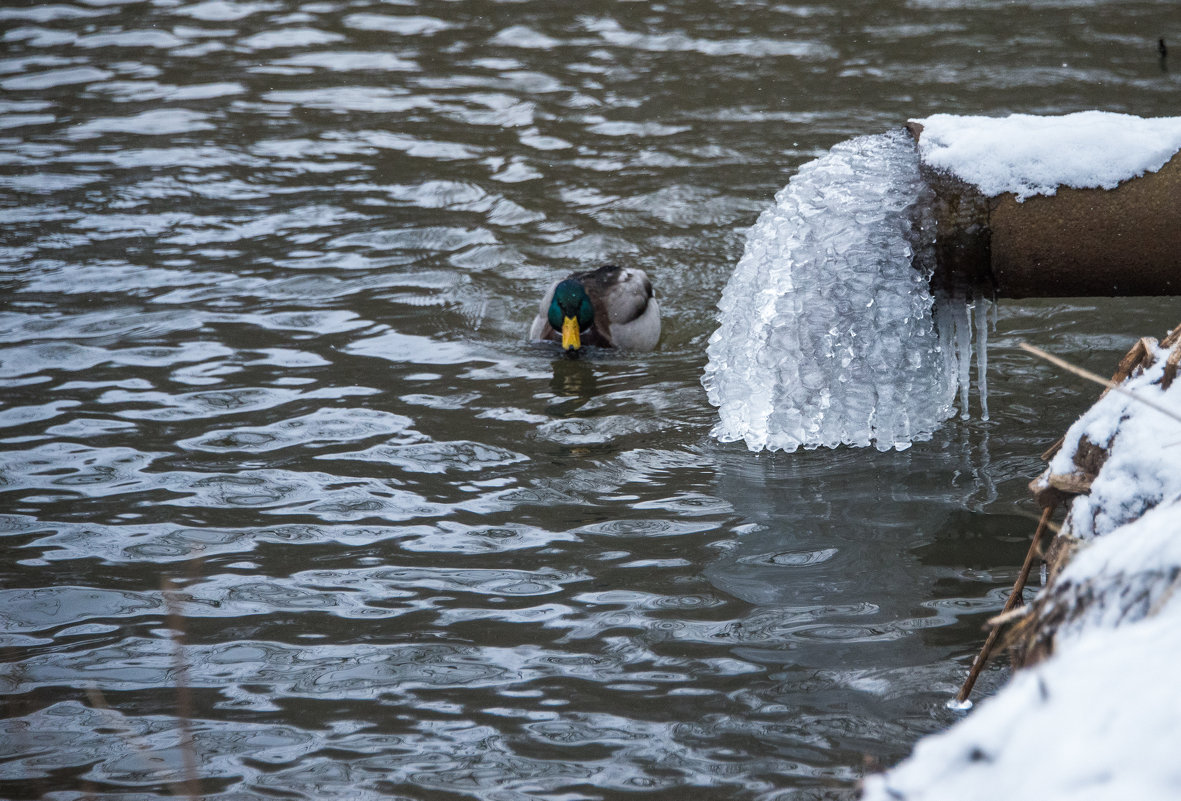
(826, 331)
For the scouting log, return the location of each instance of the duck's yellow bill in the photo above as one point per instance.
(570, 338)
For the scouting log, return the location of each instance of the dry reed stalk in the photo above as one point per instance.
(1171, 368)
(1014, 598)
(1132, 359)
(191, 784)
(138, 744)
(1087, 374)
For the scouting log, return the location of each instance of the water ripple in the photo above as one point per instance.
(267, 271)
(318, 428)
(215, 403)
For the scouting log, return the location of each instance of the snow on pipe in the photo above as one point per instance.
(1081, 205)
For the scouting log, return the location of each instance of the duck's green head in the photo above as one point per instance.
(570, 312)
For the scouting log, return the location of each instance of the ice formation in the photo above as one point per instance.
(1031, 155)
(827, 330)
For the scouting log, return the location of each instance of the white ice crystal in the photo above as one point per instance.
(827, 332)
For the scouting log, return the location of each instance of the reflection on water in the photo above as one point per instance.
(265, 274)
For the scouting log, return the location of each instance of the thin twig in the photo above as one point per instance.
(1133, 359)
(191, 784)
(1087, 374)
(1014, 598)
(1005, 618)
(142, 747)
(1171, 365)
(1165, 596)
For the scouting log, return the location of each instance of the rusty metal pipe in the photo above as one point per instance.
(1124, 241)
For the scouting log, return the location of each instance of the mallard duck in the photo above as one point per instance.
(612, 307)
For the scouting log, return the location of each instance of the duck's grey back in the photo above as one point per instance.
(626, 303)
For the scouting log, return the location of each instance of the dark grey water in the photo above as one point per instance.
(291, 510)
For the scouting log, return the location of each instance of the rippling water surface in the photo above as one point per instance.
(289, 507)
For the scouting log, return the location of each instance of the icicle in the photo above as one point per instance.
(962, 315)
(982, 356)
(944, 314)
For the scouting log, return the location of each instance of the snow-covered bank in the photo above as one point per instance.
(1099, 714)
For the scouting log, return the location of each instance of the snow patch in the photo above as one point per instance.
(1144, 465)
(1031, 155)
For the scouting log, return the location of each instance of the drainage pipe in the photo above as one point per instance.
(1124, 241)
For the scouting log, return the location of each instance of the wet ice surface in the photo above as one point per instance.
(263, 281)
(827, 334)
